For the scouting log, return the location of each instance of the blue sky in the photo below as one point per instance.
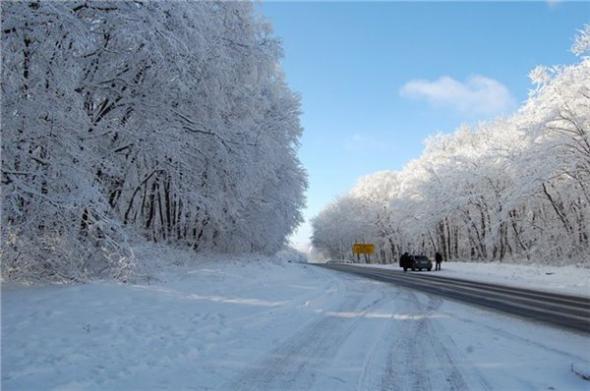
(376, 78)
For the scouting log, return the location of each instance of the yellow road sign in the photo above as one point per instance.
(363, 248)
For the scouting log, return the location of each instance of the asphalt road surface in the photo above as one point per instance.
(562, 310)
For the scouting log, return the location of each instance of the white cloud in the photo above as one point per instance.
(553, 3)
(478, 95)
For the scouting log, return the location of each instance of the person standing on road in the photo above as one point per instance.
(404, 260)
(438, 260)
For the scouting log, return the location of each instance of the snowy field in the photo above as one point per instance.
(559, 279)
(270, 324)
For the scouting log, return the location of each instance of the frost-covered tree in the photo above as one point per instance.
(170, 118)
(514, 188)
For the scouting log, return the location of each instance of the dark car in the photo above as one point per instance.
(420, 262)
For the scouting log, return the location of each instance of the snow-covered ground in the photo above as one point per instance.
(560, 279)
(269, 324)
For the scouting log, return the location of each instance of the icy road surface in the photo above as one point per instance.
(272, 325)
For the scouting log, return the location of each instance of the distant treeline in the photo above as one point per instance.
(515, 188)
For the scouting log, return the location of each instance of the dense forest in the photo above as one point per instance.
(516, 188)
(169, 120)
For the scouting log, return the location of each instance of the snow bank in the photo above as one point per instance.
(181, 308)
(560, 279)
(563, 279)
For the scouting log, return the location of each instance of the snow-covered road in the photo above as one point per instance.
(264, 325)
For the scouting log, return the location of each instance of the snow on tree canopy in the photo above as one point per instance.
(516, 188)
(172, 119)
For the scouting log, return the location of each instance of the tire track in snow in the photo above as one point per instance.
(438, 347)
(397, 359)
(379, 371)
(417, 378)
(399, 370)
(294, 364)
(232, 328)
(510, 335)
(420, 343)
